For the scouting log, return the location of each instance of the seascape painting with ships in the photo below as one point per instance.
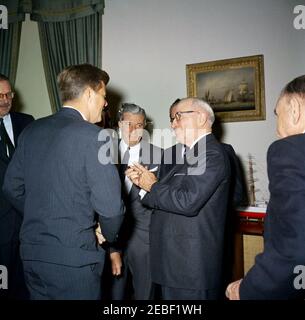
(228, 90)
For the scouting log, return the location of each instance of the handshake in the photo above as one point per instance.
(115, 257)
(99, 236)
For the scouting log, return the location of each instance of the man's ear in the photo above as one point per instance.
(87, 93)
(203, 117)
(295, 109)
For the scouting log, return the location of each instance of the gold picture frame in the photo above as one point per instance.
(235, 88)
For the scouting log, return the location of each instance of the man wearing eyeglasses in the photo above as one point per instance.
(190, 206)
(11, 125)
(133, 242)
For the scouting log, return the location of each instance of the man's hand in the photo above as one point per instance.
(100, 238)
(116, 263)
(141, 176)
(232, 291)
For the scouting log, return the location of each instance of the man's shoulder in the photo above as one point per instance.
(228, 147)
(289, 151)
(292, 142)
(21, 116)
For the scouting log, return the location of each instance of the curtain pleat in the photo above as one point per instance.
(9, 50)
(67, 43)
(70, 32)
(10, 39)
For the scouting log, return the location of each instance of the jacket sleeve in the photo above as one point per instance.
(13, 186)
(105, 191)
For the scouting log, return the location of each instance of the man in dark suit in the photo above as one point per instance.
(11, 125)
(189, 202)
(133, 241)
(60, 180)
(276, 271)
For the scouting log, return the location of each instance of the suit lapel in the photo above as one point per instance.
(191, 156)
(16, 128)
(3, 157)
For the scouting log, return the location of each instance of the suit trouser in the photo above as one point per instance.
(169, 293)
(10, 258)
(48, 281)
(137, 261)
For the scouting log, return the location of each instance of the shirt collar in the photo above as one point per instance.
(124, 146)
(77, 111)
(6, 118)
(199, 138)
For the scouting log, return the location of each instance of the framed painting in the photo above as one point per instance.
(235, 88)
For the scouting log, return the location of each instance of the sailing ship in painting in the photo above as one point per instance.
(234, 98)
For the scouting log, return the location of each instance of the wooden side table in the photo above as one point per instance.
(248, 240)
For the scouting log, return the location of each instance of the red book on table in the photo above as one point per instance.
(252, 212)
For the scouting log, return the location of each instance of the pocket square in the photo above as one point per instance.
(179, 174)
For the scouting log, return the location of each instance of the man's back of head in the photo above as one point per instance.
(83, 87)
(290, 108)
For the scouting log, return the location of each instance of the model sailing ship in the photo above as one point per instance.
(255, 211)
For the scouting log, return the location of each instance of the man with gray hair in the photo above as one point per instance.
(190, 206)
(133, 241)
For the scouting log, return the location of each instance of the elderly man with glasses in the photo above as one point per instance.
(190, 206)
(11, 125)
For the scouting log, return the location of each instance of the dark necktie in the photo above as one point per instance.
(186, 150)
(6, 143)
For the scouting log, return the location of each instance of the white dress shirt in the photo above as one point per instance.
(7, 121)
(134, 152)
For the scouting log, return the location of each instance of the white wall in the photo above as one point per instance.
(147, 44)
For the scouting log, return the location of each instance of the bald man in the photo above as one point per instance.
(276, 272)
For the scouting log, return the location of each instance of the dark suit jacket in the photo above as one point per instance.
(56, 177)
(171, 157)
(137, 215)
(187, 224)
(272, 276)
(10, 220)
(238, 189)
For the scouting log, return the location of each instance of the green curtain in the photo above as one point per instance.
(10, 39)
(64, 10)
(70, 33)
